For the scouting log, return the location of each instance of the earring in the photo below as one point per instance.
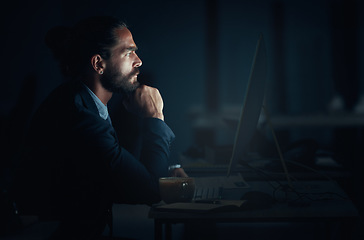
(101, 72)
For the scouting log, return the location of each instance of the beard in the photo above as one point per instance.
(117, 82)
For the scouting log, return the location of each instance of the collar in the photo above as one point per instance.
(102, 108)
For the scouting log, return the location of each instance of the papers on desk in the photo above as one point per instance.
(205, 206)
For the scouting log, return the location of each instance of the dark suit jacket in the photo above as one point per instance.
(73, 167)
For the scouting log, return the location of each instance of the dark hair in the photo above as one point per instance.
(73, 47)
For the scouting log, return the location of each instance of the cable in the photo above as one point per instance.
(311, 169)
(269, 178)
(270, 125)
(286, 188)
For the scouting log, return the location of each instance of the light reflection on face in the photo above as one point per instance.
(121, 71)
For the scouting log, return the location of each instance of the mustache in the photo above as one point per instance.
(135, 71)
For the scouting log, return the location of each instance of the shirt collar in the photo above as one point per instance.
(102, 108)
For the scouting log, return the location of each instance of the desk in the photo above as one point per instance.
(338, 209)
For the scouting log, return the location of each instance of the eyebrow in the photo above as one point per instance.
(131, 48)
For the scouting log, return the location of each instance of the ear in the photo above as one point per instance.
(98, 64)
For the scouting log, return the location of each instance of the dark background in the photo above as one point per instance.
(199, 53)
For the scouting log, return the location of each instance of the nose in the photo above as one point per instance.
(138, 62)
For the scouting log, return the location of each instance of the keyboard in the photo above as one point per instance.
(208, 193)
(212, 187)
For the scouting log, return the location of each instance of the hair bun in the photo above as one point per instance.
(58, 40)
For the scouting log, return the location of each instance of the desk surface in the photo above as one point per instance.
(319, 200)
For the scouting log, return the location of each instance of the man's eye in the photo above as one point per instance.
(129, 53)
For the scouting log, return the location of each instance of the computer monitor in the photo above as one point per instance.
(252, 104)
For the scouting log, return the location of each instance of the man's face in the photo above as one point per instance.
(121, 69)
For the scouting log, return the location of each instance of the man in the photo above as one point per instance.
(73, 167)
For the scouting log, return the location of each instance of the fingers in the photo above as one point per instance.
(146, 101)
(178, 172)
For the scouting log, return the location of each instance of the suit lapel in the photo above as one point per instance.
(89, 103)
